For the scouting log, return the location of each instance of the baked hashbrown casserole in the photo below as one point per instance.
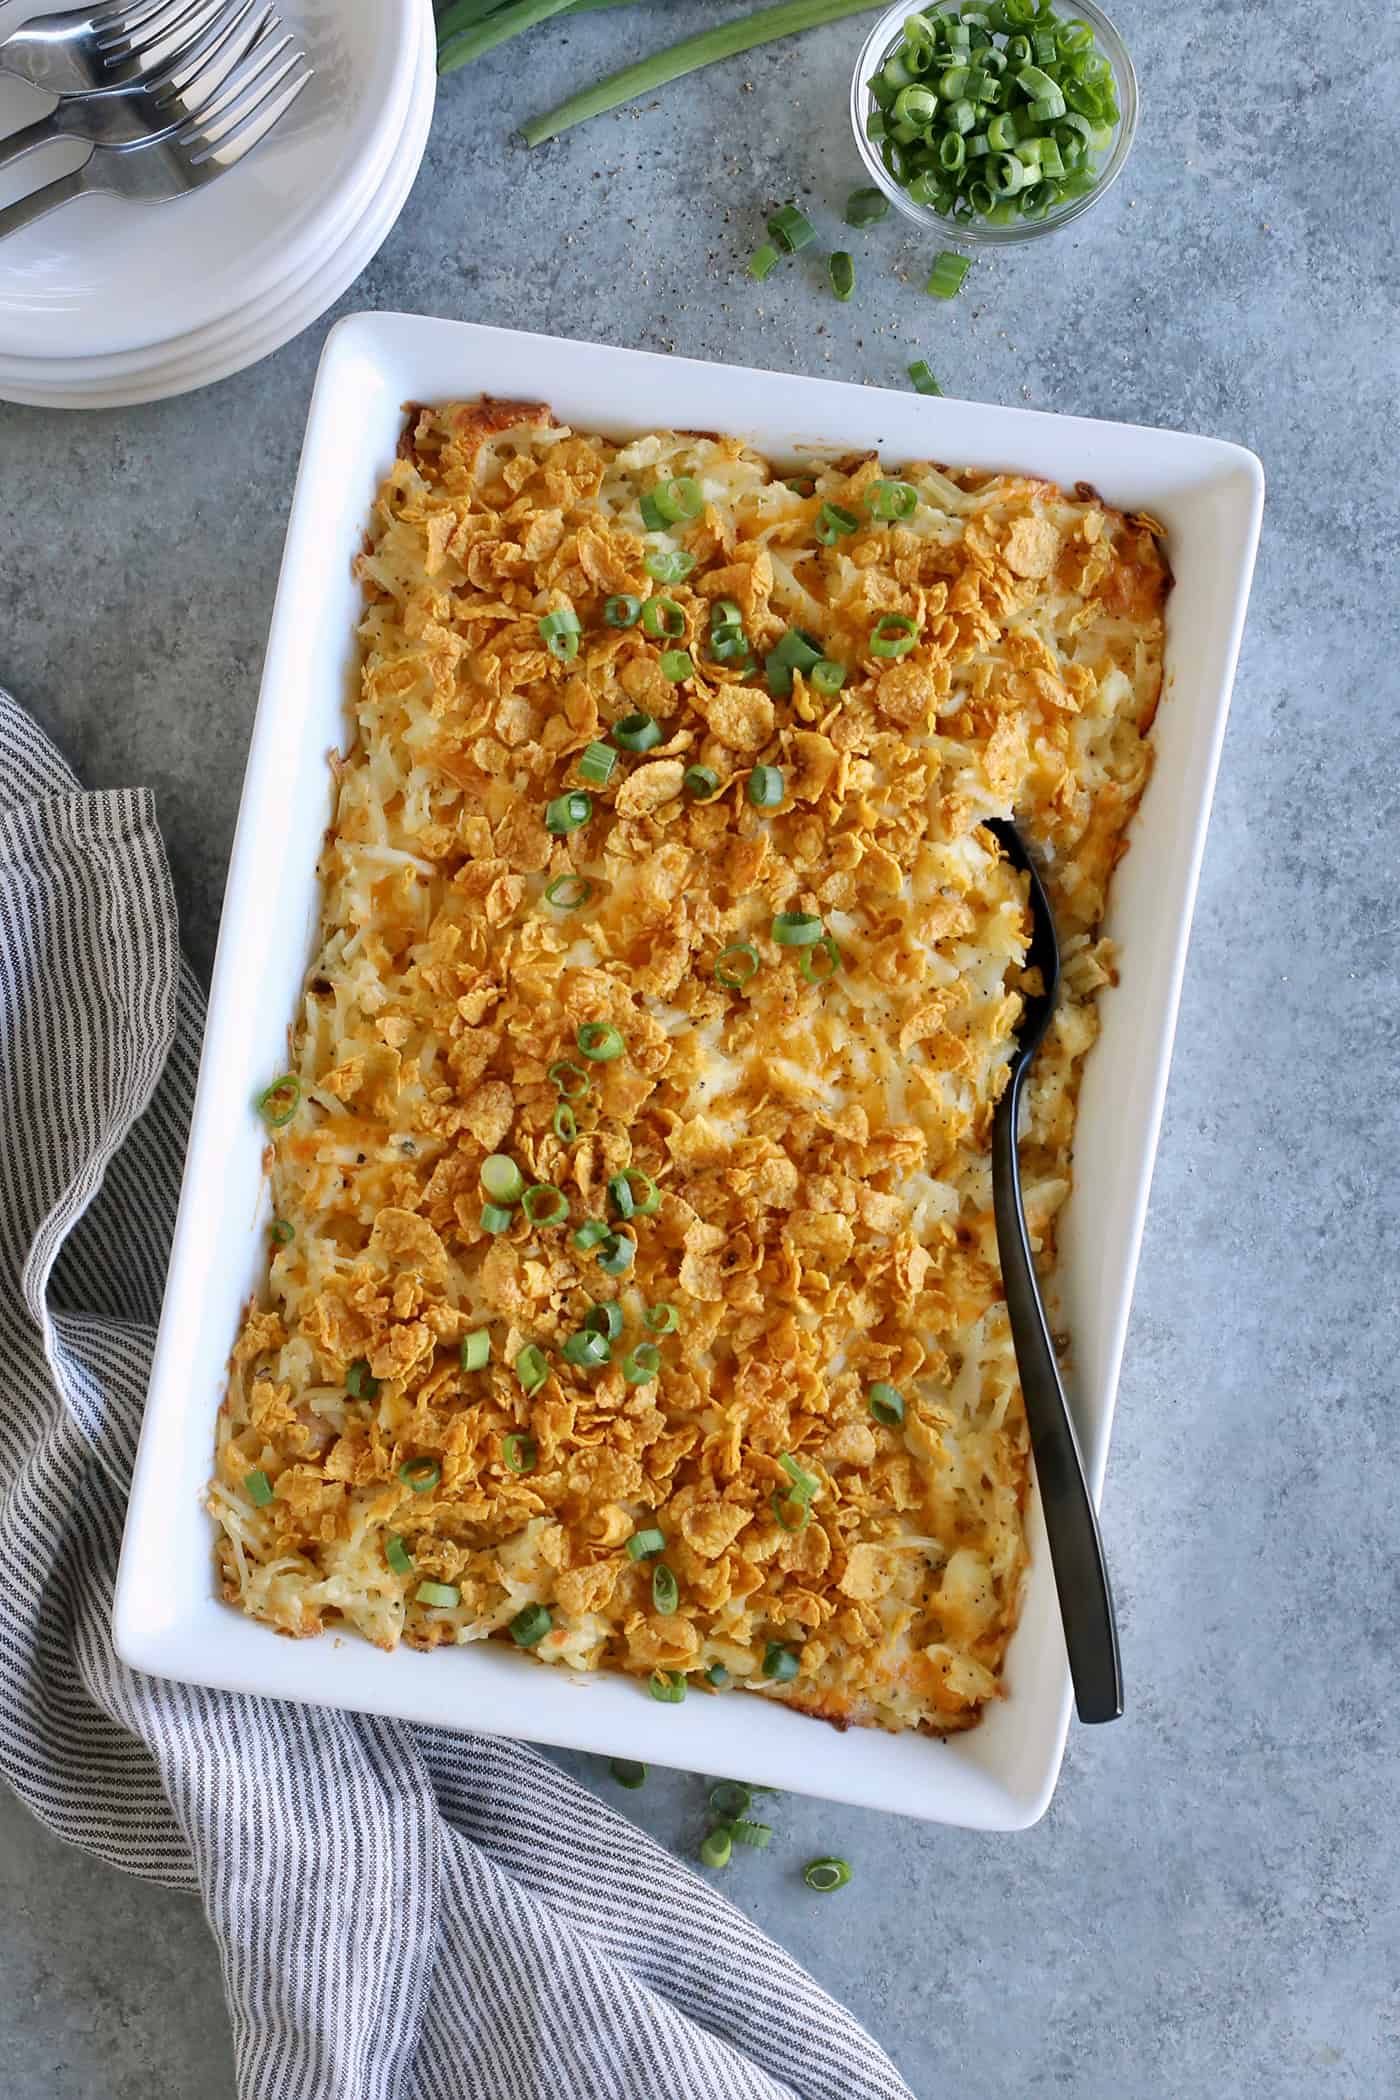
(747, 1025)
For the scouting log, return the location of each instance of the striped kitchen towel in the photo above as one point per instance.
(403, 1913)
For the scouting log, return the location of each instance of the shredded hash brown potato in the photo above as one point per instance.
(820, 1148)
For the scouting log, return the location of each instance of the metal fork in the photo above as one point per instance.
(242, 113)
(169, 101)
(101, 50)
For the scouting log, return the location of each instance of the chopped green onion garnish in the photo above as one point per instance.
(764, 258)
(791, 1511)
(669, 564)
(663, 620)
(529, 1627)
(841, 269)
(568, 812)
(398, 1555)
(665, 1590)
(642, 1364)
(360, 1382)
(638, 732)
(796, 651)
(277, 1104)
(791, 228)
(949, 270)
(519, 1452)
(439, 1595)
(531, 1367)
(668, 1686)
(562, 1073)
(604, 1317)
(561, 632)
(717, 1847)
(886, 1404)
(496, 1217)
(627, 1772)
(476, 1350)
(804, 1483)
(421, 1475)
(924, 381)
(779, 1662)
(730, 1797)
(596, 764)
(797, 929)
(894, 634)
(865, 206)
(672, 503)
(626, 1202)
(643, 1544)
(622, 611)
(502, 1179)
(825, 1875)
(568, 892)
(544, 1204)
(702, 782)
(757, 1835)
(892, 500)
(737, 964)
(616, 1254)
(827, 677)
(717, 1676)
(765, 788)
(588, 1352)
(258, 1488)
(835, 522)
(600, 1041)
(591, 1234)
(662, 1318)
(676, 664)
(820, 961)
(283, 1232)
(565, 1124)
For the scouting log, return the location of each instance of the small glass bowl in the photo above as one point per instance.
(969, 230)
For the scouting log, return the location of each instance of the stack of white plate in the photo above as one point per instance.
(106, 302)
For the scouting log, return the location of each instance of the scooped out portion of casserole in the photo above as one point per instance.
(633, 1292)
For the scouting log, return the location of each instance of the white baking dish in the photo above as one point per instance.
(168, 1620)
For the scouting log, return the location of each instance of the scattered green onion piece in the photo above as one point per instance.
(476, 1350)
(519, 1452)
(756, 1835)
(668, 1686)
(841, 270)
(565, 1124)
(894, 634)
(630, 1205)
(886, 1403)
(717, 1676)
(672, 503)
(530, 1625)
(568, 813)
(677, 665)
(737, 965)
(531, 1367)
(616, 1254)
(835, 522)
(501, 1179)
(662, 1318)
(663, 620)
(562, 1071)
(627, 1772)
(812, 970)
(360, 1381)
(765, 788)
(826, 1875)
(258, 1488)
(865, 207)
(496, 1218)
(569, 892)
(641, 1365)
(669, 564)
(283, 1232)
(790, 1511)
(544, 1204)
(596, 764)
(643, 1544)
(421, 1475)
(587, 1351)
(827, 677)
(791, 228)
(804, 1483)
(561, 632)
(779, 1663)
(702, 782)
(717, 1847)
(591, 1234)
(892, 500)
(600, 1042)
(278, 1103)
(730, 1797)
(765, 258)
(946, 277)
(438, 1595)
(924, 381)
(604, 1317)
(622, 610)
(665, 1590)
(797, 929)
(398, 1555)
(637, 732)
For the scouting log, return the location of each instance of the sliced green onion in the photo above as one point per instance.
(622, 610)
(568, 892)
(676, 664)
(663, 620)
(531, 1367)
(765, 788)
(827, 677)
(834, 522)
(826, 1875)
(716, 1847)
(790, 1511)
(795, 651)
(501, 1179)
(360, 1381)
(398, 1555)
(791, 228)
(892, 500)
(641, 1365)
(864, 207)
(600, 1042)
(638, 732)
(591, 1234)
(561, 632)
(616, 1254)
(756, 1835)
(627, 1772)
(519, 1452)
(529, 1627)
(662, 1318)
(476, 1350)
(886, 1403)
(780, 1662)
(565, 1124)
(673, 503)
(420, 1475)
(764, 260)
(439, 1595)
(568, 813)
(596, 764)
(702, 782)
(665, 1590)
(737, 964)
(669, 565)
(258, 1488)
(605, 1318)
(946, 277)
(817, 972)
(725, 613)
(894, 634)
(278, 1103)
(717, 1676)
(668, 1686)
(496, 1218)
(544, 1204)
(924, 381)
(730, 1797)
(627, 1203)
(804, 1483)
(643, 1544)
(841, 269)
(283, 1232)
(797, 929)
(561, 1072)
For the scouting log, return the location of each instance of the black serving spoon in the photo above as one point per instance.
(1076, 1550)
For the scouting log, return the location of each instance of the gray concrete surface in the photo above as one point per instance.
(1210, 1907)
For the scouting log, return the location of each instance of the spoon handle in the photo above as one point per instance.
(1076, 1551)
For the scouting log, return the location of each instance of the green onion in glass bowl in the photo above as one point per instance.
(1002, 106)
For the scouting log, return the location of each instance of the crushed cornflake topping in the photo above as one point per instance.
(819, 1149)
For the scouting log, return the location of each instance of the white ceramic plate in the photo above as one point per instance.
(226, 348)
(95, 278)
(1209, 495)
